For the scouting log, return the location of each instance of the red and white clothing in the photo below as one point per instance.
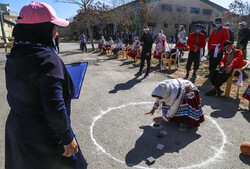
(198, 39)
(101, 43)
(136, 46)
(236, 60)
(182, 42)
(161, 46)
(181, 101)
(108, 45)
(217, 39)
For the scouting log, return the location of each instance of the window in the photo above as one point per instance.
(182, 9)
(194, 10)
(207, 12)
(152, 24)
(166, 7)
(165, 25)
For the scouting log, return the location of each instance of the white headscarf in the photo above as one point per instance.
(162, 90)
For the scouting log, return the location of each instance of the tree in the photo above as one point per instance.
(143, 14)
(122, 15)
(238, 11)
(85, 6)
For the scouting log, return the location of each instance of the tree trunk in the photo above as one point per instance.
(90, 30)
(89, 27)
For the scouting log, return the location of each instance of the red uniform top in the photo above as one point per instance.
(192, 41)
(218, 37)
(237, 61)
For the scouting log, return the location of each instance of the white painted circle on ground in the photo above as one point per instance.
(216, 156)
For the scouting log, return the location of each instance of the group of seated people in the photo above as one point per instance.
(161, 46)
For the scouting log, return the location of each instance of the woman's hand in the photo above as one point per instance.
(157, 119)
(151, 112)
(70, 149)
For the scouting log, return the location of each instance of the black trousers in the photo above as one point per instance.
(218, 77)
(214, 62)
(57, 48)
(244, 51)
(143, 58)
(193, 57)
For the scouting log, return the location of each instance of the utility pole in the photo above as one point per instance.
(2, 26)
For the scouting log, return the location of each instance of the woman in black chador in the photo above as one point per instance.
(38, 130)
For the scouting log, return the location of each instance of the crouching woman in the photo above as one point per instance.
(179, 101)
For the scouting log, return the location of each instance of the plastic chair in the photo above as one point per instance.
(7, 46)
(169, 60)
(230, 79)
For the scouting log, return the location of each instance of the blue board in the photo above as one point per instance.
(77, 72)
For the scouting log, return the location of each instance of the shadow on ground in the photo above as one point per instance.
(145, 146)
(67, 53)
(246, 114)
(244, 159)
(225, 107)
(127, 85)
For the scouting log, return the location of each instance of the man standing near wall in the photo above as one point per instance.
(147, 42)
(215, 44)
(243, 38)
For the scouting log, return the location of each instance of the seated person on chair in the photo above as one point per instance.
(117, 47)
(101, 43)
(108, 45)
(136, 46)
(233, 59)
(161, 46)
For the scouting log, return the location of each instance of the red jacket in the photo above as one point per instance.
(237, 61)
(219, 38)
(192, 41)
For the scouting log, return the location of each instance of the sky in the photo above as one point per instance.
(69, 10)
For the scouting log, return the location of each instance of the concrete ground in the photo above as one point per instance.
(113, 133)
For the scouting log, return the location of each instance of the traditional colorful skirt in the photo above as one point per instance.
(106, 47)
(132, 53)
(100, 46)
(190, 112)
(246, 95)
(182, 46)
(158, 56)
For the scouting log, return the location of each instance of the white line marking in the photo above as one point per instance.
(217, 155)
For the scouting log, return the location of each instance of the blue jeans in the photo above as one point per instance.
(84, 46)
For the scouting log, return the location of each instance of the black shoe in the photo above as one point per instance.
(138, 74)
(186, 76)
(145, 75)
(210, 93)
(219, 92)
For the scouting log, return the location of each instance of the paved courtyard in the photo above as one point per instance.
(113, 133)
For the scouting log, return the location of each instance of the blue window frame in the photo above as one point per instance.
(182, 9)
(207, 12)
(194, 10)
(166, 7)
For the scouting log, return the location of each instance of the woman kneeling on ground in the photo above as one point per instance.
(180, 102)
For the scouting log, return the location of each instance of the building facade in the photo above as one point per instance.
(168, 15)
(9, 20)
